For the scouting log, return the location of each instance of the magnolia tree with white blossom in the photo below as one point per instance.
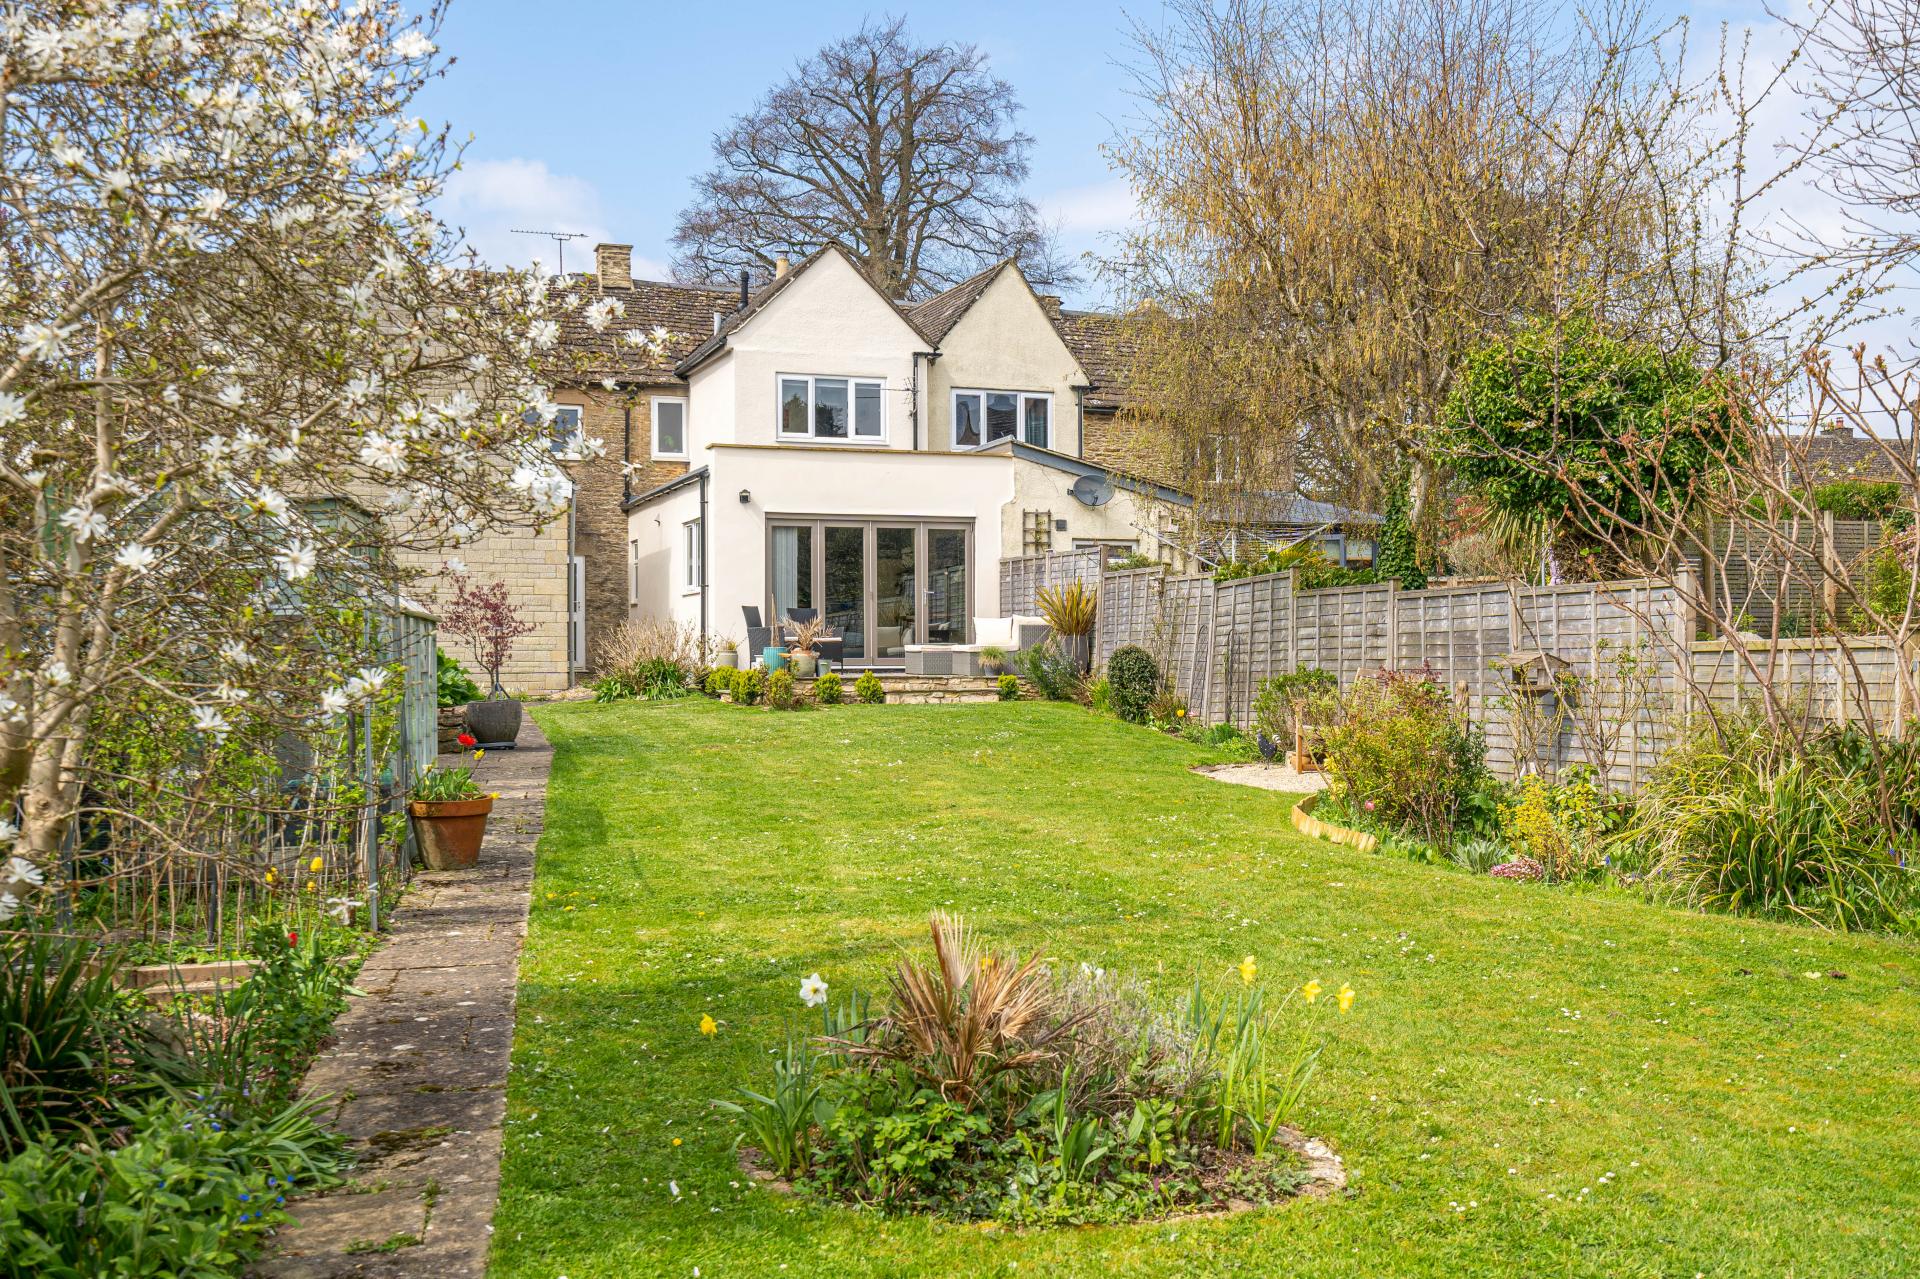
(240, 367)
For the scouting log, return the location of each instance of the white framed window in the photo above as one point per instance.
(983, 417)
(633, 571)
(692, 539)
(670, 429)
(564, 431)
(834, 409)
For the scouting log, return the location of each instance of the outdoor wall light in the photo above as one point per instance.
(745, 497)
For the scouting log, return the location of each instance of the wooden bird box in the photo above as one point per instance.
(1535, 670)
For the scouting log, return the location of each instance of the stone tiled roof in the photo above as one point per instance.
(1827, 458)
(938, 314)
(685, 311)
(1105, 345)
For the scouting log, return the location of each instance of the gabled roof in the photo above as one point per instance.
(685, 311)
(1830, 456)
(1105, 345)
(758, 303)
(938, 314)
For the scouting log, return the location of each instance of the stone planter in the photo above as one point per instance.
(1079, 649)
(804, 665)
(727, 657)
(450, 830)
(496, 722)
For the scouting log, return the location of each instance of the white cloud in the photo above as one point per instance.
(492, 199)
(1091, 209)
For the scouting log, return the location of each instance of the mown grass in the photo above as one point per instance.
(1533, 1082)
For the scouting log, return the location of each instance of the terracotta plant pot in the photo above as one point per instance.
(496, 721)
(451, 830)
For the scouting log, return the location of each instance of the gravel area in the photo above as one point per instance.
(1266, 776)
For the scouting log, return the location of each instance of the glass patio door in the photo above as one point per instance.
(895, 588)
(947, 598)
(845, 570)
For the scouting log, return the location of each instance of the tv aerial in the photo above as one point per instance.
(559, 239)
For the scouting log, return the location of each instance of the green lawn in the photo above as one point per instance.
(1533, 1082)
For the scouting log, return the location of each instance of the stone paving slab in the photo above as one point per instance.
(417, 1069)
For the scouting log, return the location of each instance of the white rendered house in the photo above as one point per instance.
(875, 463)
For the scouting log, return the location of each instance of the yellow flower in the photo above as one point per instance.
(317, 864)
(312, 886)
(1181, 713)
(1310, 991)
(676, 1141)
(479, 755)
(708, 1026)
(1247, 970)
(271, 877)
(1346, 998)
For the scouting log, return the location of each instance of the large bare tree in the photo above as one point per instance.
(905, 155)
(1344, 197)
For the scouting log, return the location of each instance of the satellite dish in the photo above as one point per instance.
(1092, 490)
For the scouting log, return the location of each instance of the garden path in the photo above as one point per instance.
(418, 1068)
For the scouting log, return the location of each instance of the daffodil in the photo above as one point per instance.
(813, 991)
(1248, 970)
(317, 864)
(1310, 991)
(271, 877)
(708, 1026)
(1346, 998)
(313, 886)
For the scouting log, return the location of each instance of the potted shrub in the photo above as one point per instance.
(993, 660)
(450, 816)
(487, 620)
(729, 654)
(1070, 612)
(805, 654)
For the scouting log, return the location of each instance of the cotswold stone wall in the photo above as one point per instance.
(534, 567)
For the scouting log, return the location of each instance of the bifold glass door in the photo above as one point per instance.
(881, 584)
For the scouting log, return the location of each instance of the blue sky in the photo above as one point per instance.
(594, 116)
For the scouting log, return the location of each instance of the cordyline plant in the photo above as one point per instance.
(483, 615)
(241, 367)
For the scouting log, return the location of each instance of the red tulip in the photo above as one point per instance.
(293, 939)
(467, 739)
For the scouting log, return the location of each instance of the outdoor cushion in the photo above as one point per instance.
(997, 631)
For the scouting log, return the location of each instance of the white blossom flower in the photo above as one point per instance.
(813, 991)
(358, 296)
(9, 907)
(232, 395)
(58, 674)
(12, 408)
(334, 700)
(412, 45)
(296, 561)
(236, 653)
(8, 832)
(114, 183)
(455, 564)
(362, 387)
(383, 453)
(479, 361)
(208, 720)
(660, 335)
(269, 502)
(210, 203)
(44, 342)
(342, 908)
(600, 313)
(543, 333)
(85, 522)
(136, 558)
(229, 692)
(22, 871)
(373, 677)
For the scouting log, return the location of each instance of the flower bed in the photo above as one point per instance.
(990, 1087)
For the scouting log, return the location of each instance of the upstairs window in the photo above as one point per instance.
(670, 428)
(831, 408)
(563, 434)
(981, 418)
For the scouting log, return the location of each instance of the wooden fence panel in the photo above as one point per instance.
(1022, 577)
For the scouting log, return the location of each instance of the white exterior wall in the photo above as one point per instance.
(1005, 342)
(828, 322)
(1129, 517)
(657, 559)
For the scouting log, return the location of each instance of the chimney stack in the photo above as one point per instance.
(744, 294)
(1050, 303)
(1837, 431)
(781, 266)
(613, 263)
